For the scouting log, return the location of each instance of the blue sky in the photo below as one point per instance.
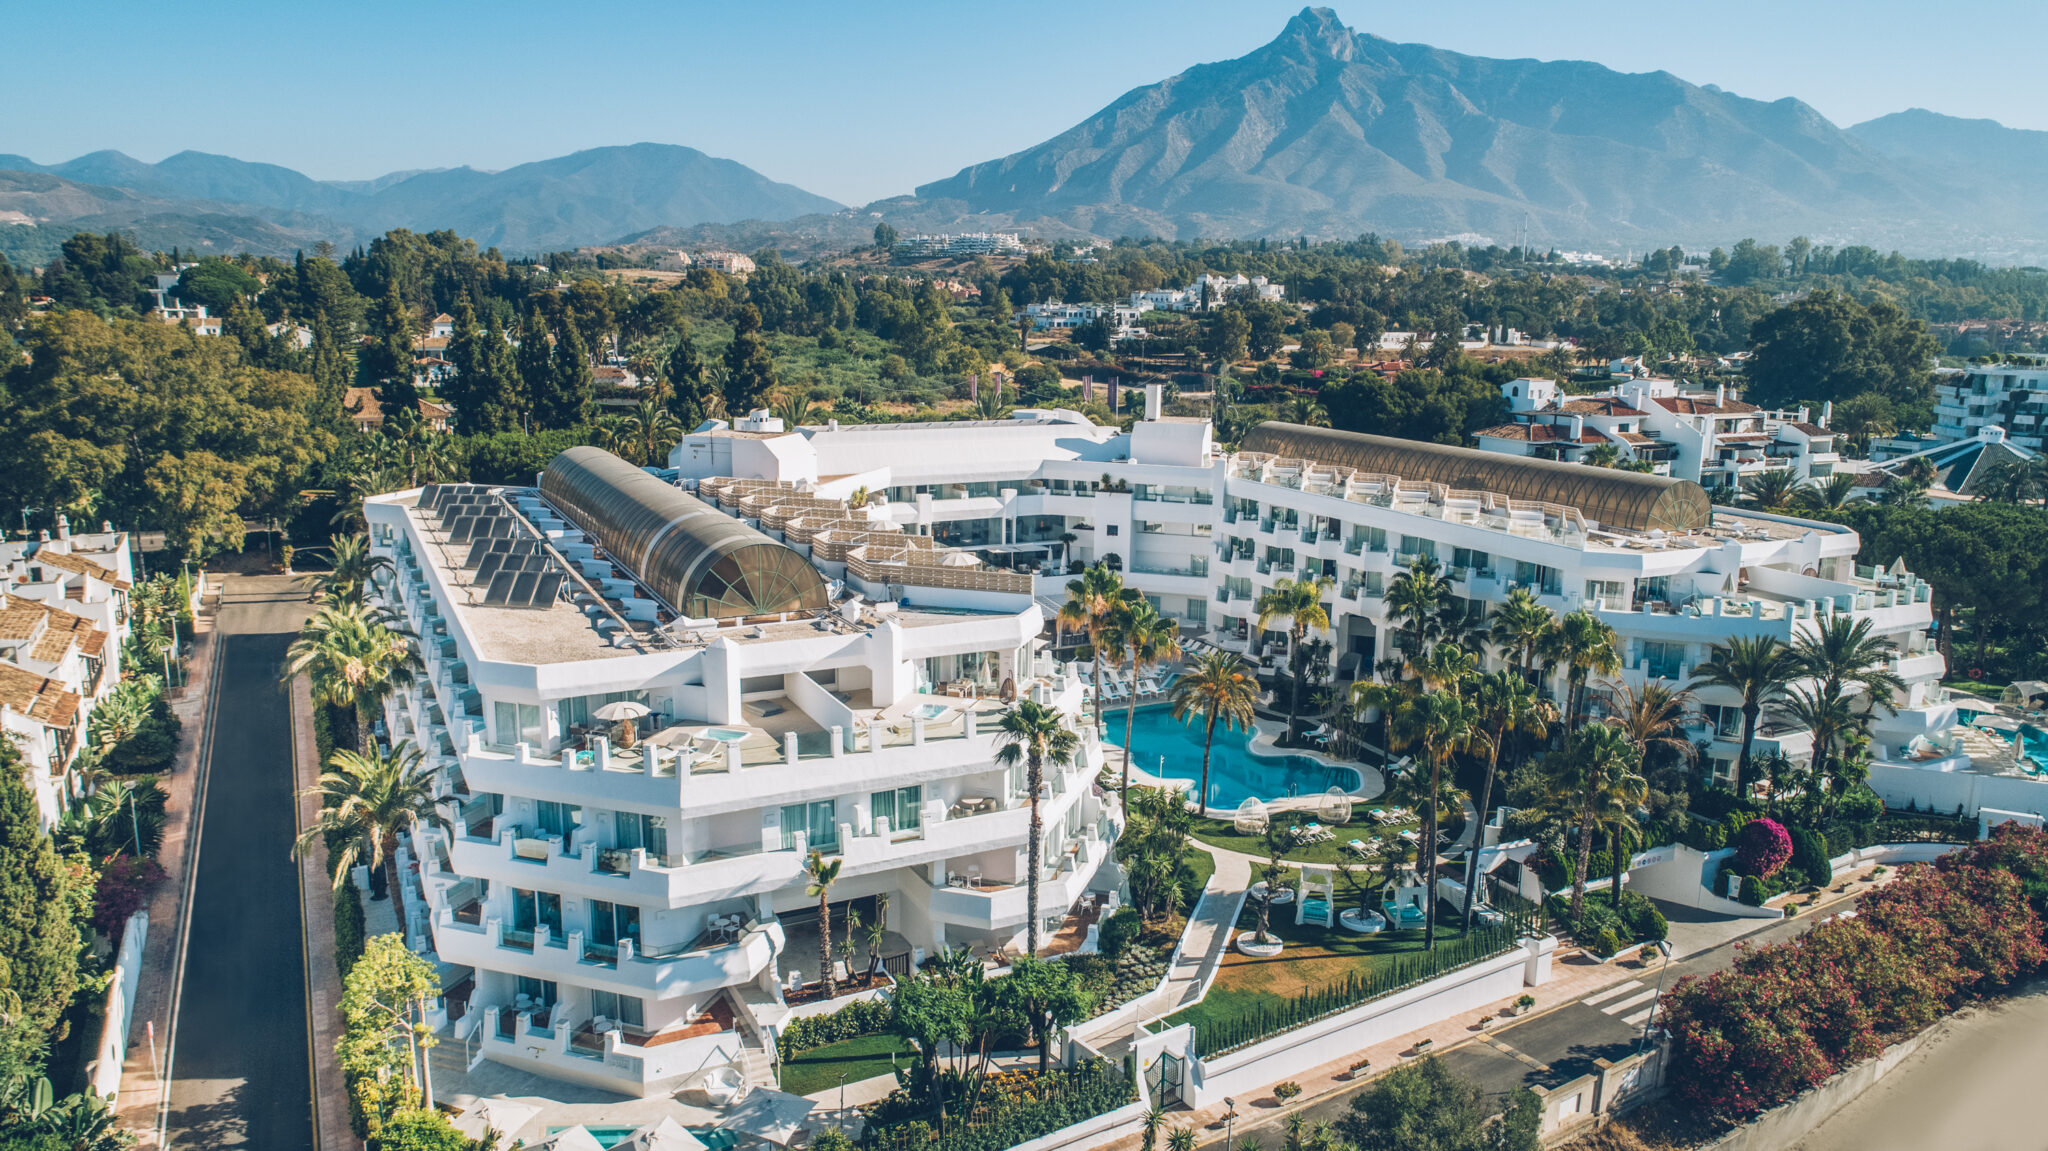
(862, 100)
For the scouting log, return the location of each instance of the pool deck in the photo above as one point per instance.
(1372, 784)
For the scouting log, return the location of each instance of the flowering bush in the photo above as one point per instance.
(1762, 848)
(124, 887)
(1786, 1016)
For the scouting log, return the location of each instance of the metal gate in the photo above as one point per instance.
(897, 965)
(1163, 1079)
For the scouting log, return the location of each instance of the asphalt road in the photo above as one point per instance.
(1547, 1050)
(240, 1075)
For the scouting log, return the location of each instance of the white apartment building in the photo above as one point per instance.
(2007, 396)
(63, 618)
(1203, 534)
(1709, 437)
(1054, 316)
(959, 244)
(627, 911)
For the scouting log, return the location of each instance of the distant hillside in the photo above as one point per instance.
(589, 197)
(1328, 132)
(1978, 148)
(38, 212)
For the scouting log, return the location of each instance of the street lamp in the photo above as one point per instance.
(1229, 1122)
(842, 1100)
(1664, 946)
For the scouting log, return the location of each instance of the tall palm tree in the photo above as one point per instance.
(1092, 600)
(1756, 668)
(1519, 626)
(1602, 456)
(368, 800)
(1654, 719)
(1300, 603)
(1597, 761)
(1441, 722)
(1034, 735)
(1770, 491)
(1846, 657)
(1446, 668)
(354, 657)
(1220, 687)
(793, 408)
(823, 873)
(1143, 638)
(1385, 696)
(1504, 706)
(1586, 647)
(1417, 598)
(347, 582)
(1831, 494)
(1615, 803)
(650, 431)
(1308, 411)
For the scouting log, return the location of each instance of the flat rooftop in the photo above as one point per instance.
(566, 631)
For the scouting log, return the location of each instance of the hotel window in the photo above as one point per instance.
(519, 723)
(1604, 589)
(611, 922)
(1663, 660)
(899, 806)
(819, 823)
(1725, 719)
(558, 818)
(531, 909)
(624, 1009)
(649, 832)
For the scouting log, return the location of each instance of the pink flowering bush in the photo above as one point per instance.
(1762, 847)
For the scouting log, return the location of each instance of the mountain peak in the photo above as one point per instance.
(1318, 33)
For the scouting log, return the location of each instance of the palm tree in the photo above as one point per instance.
(1386, 696)
(368, 800)
(1504, 705)
(1446, 668)
(793, 408)
(1770, 491)
(650, 431)
(1220, 687)
(823, 874)
(989, 405)
(1831, 494)
(1654, 719)
(1092, 600)
(1300, 602)
(1602, 456)
(1519, 626)
(1586, 647)
(347, 582)
(1143, 637)
(1308, 411)
(353, 657)
(1756, 668)
(1417, 597)
(1844, 656)
(1034, 735)
(1615, 804)
(1441, 721)
(1597, 761)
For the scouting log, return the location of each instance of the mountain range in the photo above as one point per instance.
(1324, 132)
(583, 198)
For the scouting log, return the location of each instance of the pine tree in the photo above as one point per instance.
(690, 388)
(391, 364)
(332, 371)
(749, 370)
(485, 388)
(574, 385)
(535, 362)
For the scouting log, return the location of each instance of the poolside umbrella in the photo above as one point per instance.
(505, 1116)
(774, 1116)
(622, 712)
(577, 1138)
(959, 560)
(667, 1135)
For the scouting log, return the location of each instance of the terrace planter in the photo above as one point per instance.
(1248, 943)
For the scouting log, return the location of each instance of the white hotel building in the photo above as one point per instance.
(821, 675)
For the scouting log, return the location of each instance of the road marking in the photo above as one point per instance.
(203, 764)
(1640, 1017)
(1616, 1008)
(1617, 989)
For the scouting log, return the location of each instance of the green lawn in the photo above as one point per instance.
(1203, 865)
(862, 1058)
(1221, 833)
(1313, 958)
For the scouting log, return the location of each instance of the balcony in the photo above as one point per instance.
(643, 1067)
(620, 968)
(987, 908)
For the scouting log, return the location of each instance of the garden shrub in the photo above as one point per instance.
(1119, 931)
(858, 1018)
(1556, 870)
(349, 926)
(1600, 866)
(1607, 942)
(1810, 856)
(1753, 892)
(1762, 848)
(1641, 919)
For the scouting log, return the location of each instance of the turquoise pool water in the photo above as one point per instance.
(725, 735)
(711, 1137)
(2035, 742)
(930, 710)
(1235, 774)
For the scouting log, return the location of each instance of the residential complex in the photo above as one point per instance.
(962, 244)
(1709, 437)
(2014, 398)
(63, 617)
(621, 902)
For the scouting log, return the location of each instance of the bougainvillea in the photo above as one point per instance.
(1786, 1016)
(124, 888)
(1762, 847)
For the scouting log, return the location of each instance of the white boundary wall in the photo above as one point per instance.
(1942, 792)
(113, 1049)
(1682, 875)
(1294, 1052)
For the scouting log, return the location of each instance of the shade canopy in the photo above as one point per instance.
(706, 564)
(1615, 499)
(620, 709)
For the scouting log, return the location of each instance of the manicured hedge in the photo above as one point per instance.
(858, 1018)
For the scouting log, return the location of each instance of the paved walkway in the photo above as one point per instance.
(323, 980)
(141, 1093)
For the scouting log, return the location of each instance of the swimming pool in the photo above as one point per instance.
(931, 711)
(725, 734)
(1235, 774)
(607, 1136)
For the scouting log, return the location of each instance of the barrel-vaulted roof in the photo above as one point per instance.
(706, 564)
(1617, 500)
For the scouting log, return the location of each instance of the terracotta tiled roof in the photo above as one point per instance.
(1811, 429)
(65, 561)
(44, 700)
(1636, 438)
(54, 631)
(1540, 434)
(1689, 406)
